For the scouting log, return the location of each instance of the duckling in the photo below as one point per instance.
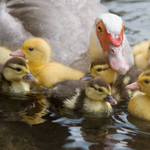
(93, 97)
(37, 52)
(101, 68)
(13, 76)
(139, 104)
(141, 54)
(4, 54)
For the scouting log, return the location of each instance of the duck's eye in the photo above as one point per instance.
(100, 90)
(99, 29)
(18, 69)
(31, 49)
(146, 81)
(99, 69)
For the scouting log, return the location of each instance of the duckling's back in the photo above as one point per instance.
(65, 90)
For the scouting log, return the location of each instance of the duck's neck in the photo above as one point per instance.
(35, 68)
(19, 87)
(94, 50)
(96, 106)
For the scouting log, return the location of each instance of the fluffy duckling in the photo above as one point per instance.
(14, 72)
(139, 104)
(37, 52)
(101, 68)
(93, 97)
(4, 54)
(141, 54)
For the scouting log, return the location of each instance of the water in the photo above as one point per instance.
(29, 122)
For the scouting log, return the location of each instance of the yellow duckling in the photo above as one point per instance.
(4, 54)
(37, 51)
(139, 104)
(101, 68)
(141, 54)
(13, 76)
(93, 97)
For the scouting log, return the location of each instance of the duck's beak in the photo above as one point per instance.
(28, 76)
(133, 86)
(18, 53)
(110, 99)
(117, 60)
(86, 77)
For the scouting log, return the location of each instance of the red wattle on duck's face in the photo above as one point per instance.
(117, 39)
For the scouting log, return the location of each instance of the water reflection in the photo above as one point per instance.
(29, 109)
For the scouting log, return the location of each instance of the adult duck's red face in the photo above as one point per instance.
(111, 36)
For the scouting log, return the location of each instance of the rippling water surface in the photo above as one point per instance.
(27, 123)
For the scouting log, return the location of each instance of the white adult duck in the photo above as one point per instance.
(68, 27)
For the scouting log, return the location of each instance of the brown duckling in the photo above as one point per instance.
(141, 52)
(140, 102)
(37, 51)
(93, 97)
(14, 74)
(101, 68)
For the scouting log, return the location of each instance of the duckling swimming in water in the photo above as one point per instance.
(101, 68)
(13, 76)
(141, 52)
(37, 51)
(93, 97)
(139, 104)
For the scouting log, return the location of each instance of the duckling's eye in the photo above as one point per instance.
(100, 90)
(99, 29)
(31, 49)
(146, 81)
(149, 48)
(99, 69)
(18, 69)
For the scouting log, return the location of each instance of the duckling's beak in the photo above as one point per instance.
(28, 76)
(18, 53)
(110, 99)
(133, 86)
(86, 77)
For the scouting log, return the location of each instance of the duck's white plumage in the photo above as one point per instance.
(66, 24)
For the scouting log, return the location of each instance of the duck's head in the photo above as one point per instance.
(142, 84)
(15, 69)
(100, 68)
(35, 50)
(99, 90)
(109, 34)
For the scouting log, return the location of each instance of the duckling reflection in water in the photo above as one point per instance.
(93, 97)
(101, 68)
(28, 108)
(139, 104)
(13, 78)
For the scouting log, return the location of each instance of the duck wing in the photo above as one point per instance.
(66, 24)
